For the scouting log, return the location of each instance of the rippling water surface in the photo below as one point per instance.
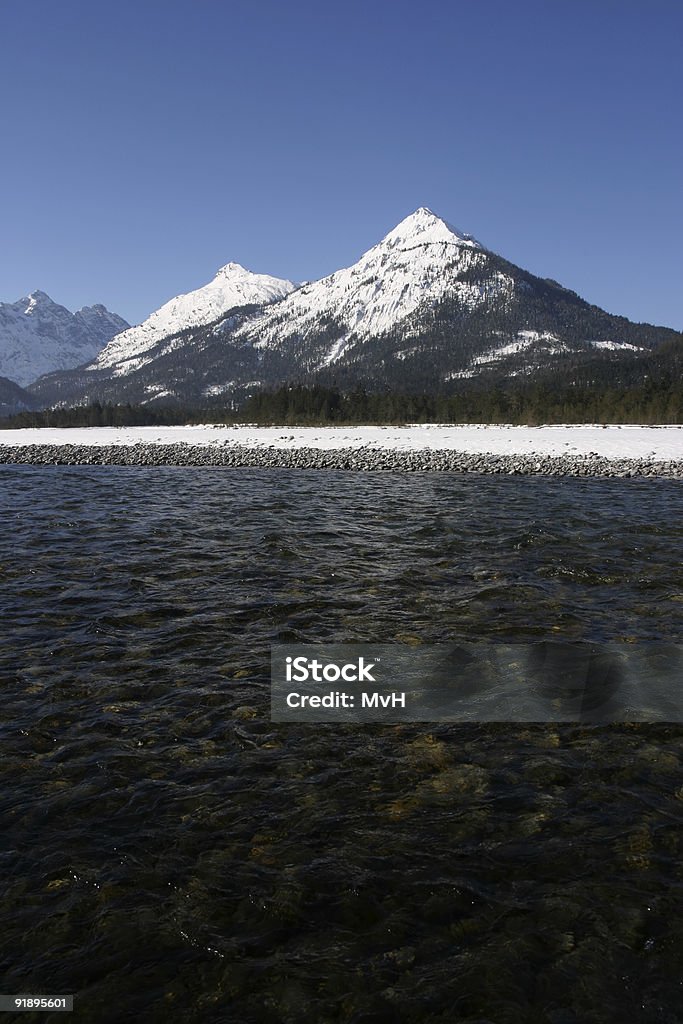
(169, 854)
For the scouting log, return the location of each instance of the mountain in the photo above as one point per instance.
(14, 398)
(419, 262)
(38, 336)
(428, 308)
(233, 287)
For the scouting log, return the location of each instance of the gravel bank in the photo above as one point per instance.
(353, 459)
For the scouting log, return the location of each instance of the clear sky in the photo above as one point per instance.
(147, 143)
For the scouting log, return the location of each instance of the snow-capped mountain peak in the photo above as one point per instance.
(414, 266)
(36, 303)
(37, 336)
(423, 227)
(232, 287)
(232, 270)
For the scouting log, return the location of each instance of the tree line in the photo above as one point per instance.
(97, 414)
(535, 403)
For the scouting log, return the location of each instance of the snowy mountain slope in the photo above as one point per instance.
(426, 306)
(425, 309)
(537, 347)
(232, 287)
(419, 262)
(39, 336)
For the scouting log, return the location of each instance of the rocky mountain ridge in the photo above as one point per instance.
(38, 336)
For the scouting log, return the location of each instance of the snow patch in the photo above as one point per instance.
(617, 346)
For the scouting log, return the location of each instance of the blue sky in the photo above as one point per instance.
(147, 143)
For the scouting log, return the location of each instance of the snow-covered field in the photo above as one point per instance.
(613, 442)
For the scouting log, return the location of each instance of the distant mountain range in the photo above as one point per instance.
(428, 308)
(38, 336)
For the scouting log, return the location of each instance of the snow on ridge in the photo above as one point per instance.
(525, 340)
(617, 346)
(549, 343)
(418, 262)
(425, 228)
(232, 286)
(38, 336)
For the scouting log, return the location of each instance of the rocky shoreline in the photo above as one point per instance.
(366, 459)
